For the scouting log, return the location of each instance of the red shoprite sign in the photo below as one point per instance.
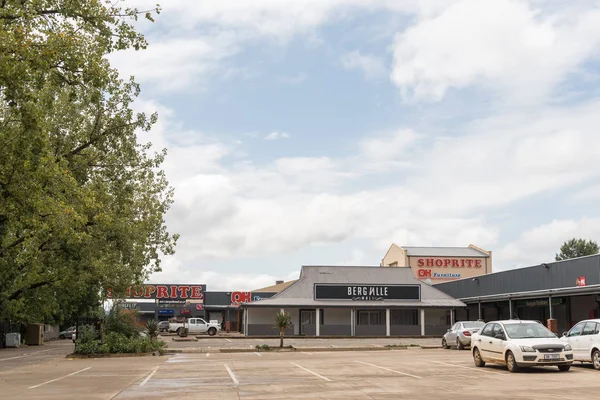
(168, 292)
(449, 262)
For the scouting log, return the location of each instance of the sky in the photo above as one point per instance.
(318, 132)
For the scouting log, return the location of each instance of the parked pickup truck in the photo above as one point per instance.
(195, 326)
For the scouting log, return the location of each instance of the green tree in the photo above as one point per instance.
(283, 321)
(577, 248)
(82, 201)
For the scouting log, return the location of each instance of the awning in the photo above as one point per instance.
(569, 291)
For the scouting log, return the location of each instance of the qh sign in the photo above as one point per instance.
(163, 292)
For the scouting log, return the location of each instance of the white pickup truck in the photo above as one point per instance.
(195, 326)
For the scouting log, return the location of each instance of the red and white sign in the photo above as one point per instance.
(185, 311)
(170, 292)
(241, 297)
(580, 281)
(199, 307)
(449, 262)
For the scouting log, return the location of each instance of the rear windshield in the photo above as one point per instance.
(473, 324)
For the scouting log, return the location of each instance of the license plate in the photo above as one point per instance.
(552, 356)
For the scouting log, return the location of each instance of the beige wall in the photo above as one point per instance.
(395, 257)
(444, 269)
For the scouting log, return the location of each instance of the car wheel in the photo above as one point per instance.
(445, 344)
(596, 359)
(62, 337)
(477, 358)
(564, 368)
(181, 332)
(511, 363)
(459, 345)
(212, 331)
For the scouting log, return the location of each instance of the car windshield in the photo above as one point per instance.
(527, 330)
(473, 324)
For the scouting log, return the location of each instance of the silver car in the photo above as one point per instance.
(67, 333)
(460, 334)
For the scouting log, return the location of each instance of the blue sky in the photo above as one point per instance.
(321, 131)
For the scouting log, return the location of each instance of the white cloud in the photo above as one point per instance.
(238, 210)
(543, 242)
(174, 272)
(371, 66)
(189, 42)
(588, 194)
(505, 45)
(277, 135)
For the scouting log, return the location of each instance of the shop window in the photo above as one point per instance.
(371, 317)
(404, 317)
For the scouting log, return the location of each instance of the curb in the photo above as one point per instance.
(217, 336)
(112, 355)
(294, 349)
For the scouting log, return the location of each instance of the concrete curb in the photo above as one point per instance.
(186, 339)
(112, 355)
(206, 337)
(295, 349)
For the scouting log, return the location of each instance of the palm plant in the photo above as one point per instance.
(152, 329)
(283, 321)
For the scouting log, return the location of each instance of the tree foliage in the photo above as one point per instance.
(577, 248)
(81, 200)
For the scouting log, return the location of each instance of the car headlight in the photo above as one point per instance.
(527, 349)
(568, 347)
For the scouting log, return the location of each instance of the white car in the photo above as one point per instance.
(195, 326)
(584, 338)
(520, 344)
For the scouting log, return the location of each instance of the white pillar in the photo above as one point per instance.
(387, 322)
(318, 320)
(282, 310)
(510, 309)
(352, 322)
(479, 307)
(422, 321)
(452, 316)
(550, 305)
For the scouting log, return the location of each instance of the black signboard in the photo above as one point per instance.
(358, 292)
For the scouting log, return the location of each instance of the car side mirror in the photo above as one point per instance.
(500, 336)
(565, 334)
(448, 330)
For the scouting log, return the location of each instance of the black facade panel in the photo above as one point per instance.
(553, 275)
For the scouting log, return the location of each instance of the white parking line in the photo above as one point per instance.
(258, 354)
(207, 354)
(58, 379)
(311, 372)
(25, 355)
(149, 376)
(462, 366)
(229, 340)
(304, 352)
(232, 375)
(388, 369)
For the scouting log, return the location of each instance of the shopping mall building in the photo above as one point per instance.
(414, 291)
(398, 299)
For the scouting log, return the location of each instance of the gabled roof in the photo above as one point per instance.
(301, 292)
(275, 288)
(444, 251)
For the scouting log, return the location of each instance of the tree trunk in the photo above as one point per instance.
(281, 333)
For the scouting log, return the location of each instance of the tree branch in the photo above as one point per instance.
(36, 285)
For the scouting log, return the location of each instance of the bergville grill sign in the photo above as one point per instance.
(357, 292)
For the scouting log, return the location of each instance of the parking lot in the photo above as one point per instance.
(386, 374)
